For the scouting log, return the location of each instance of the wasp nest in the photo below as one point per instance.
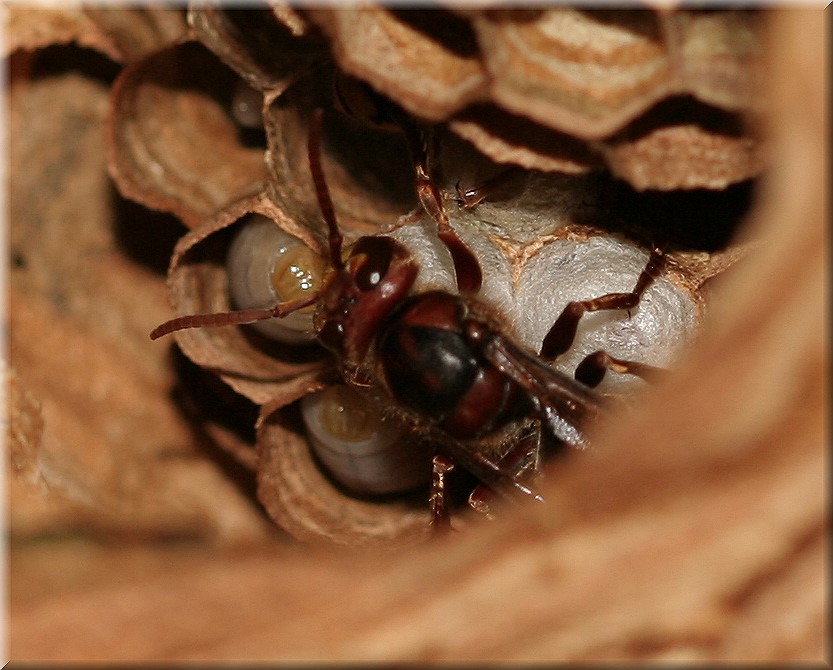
(618, 120)
(598, 106)
(606, 132)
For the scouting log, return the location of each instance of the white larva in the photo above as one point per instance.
(365, 452)
(267, 265)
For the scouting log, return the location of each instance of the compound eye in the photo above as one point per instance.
(267, 266)
(362, 450)
(370, 260)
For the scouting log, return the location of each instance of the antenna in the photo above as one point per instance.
(325, 202)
